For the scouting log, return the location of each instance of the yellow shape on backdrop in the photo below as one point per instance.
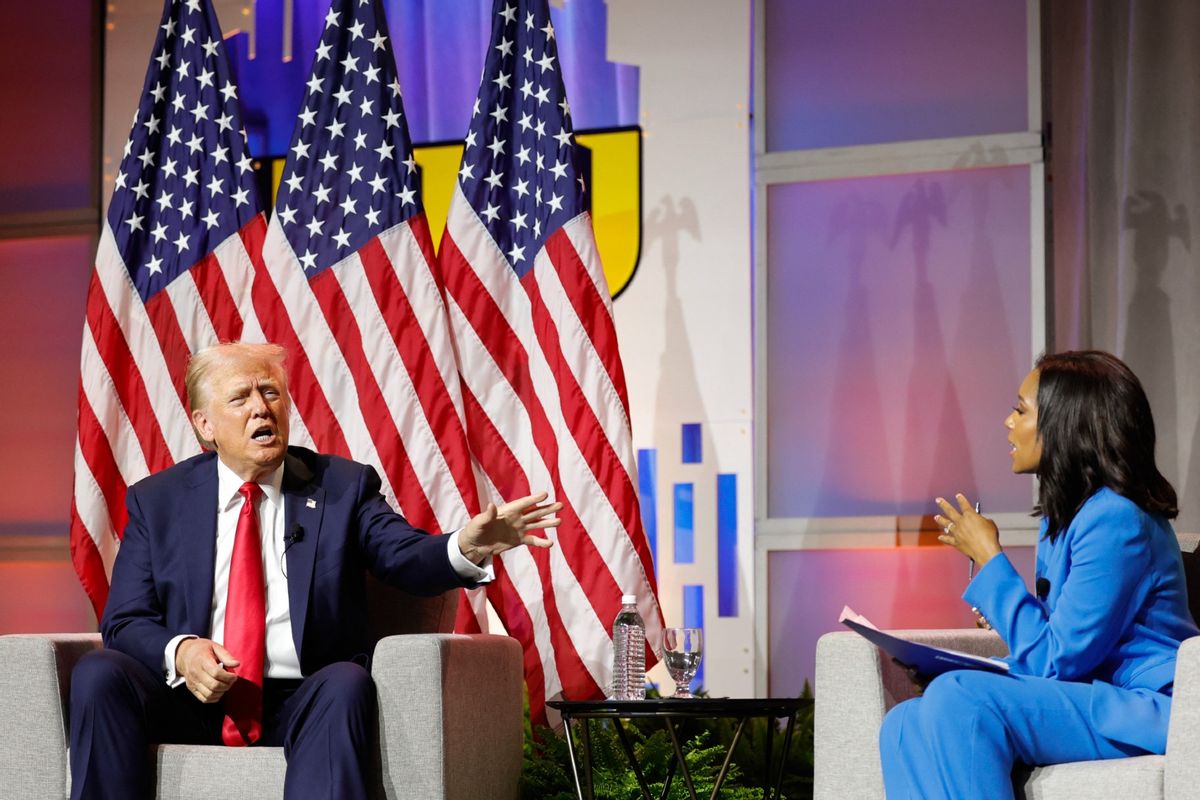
(616, 201)
(615, 184)
(439, 165)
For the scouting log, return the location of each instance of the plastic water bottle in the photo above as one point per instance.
(629, 652)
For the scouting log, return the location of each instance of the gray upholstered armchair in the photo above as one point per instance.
(856, 685)
(449, 715)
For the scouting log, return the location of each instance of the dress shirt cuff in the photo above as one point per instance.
(173, 678)
(464, 568)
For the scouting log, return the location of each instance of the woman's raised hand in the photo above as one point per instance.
(967, 531)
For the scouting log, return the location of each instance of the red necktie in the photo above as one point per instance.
(245, 628)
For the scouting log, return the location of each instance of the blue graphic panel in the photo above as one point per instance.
(693, 617)
(271, 89)
(727, 535)
(685, 524)
(692, 451)
(648, 497)
(440, 48)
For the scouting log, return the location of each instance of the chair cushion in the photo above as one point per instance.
(1127, 778)
(204, 772)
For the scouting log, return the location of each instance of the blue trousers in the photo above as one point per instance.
(963, 737)
(119, 709)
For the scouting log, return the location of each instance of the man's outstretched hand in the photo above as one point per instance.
(499, 529)
(201, 663)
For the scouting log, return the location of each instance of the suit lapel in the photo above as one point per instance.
(304, 506)
(196, 519)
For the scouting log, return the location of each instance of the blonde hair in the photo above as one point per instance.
(208, 359)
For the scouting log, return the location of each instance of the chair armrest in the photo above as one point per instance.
(450, 716)
(855, 686)
(35, 686)
(1182, 772)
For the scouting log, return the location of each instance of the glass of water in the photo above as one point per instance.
(682, 648)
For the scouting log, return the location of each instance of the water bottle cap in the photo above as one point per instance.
(629, 599)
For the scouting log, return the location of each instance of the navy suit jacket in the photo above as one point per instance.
(162, 581)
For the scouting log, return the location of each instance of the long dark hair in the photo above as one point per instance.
(1096, 429)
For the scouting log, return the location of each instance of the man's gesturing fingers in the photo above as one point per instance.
(538, 517)
(501, 528)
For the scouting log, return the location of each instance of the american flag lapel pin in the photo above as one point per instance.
(310, 503)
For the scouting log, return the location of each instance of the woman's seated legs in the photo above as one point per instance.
(963, 736)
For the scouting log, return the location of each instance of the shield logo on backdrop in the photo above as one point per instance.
(614, 159)
(614, 165)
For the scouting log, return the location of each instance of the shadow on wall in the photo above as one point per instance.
(935, 455)
(957, 333)
(935, 435)
(678, 397)
(984, 337)
(1149, 344)
(856, 412)
(942, 384)
(688, 488)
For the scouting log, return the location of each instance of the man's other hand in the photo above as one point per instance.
(201, 663)
(499, 529)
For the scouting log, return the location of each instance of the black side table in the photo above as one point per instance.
(669, 710)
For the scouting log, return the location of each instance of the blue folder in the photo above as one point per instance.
(925, 660)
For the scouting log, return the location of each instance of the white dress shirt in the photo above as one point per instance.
(281, 660)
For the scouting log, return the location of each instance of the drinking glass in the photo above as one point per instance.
(682, 648)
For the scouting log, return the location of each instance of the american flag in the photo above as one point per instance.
(543, 387)
(351, 285)
(173, 274)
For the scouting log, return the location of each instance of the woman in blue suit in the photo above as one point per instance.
(1092, 655)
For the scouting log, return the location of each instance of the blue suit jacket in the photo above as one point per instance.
(1114, 615)
(162, 582)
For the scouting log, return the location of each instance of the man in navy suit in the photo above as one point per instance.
(169, 671)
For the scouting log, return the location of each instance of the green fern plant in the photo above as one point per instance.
(546, 774)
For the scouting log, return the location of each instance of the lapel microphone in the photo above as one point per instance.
(1042, 587)
(294, 536)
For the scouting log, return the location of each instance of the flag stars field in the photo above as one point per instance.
(508, 189)
(170, 135)
(349, 259)
(173, 267)
(357, 136)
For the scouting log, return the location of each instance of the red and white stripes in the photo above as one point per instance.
(133, 416)
(373, 367)
(546, 408)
